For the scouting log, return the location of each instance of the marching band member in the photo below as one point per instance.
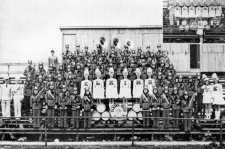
(101, 46)
(138, 84)
(85, 83)
(191, 11)
(178, 11)
(6, 97)
(176, 107)
(184, 12)
(217, 95)
(146, 100)
(205, 12)
(98, 86)
(111, 85)
(76, 106)
(53, 60)
(199, 11)
(212, 11)
(17, 98)
(87, 104)
(50, 100)
(187, 106)
(62, 100)
(30, 76)
(150, 82)
(207, 98)
(36, 106)
(165, 104)
(155, 108)
(125, 85)
(218, 11)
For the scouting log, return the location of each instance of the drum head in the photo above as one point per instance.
(105, 115)
(139, 115)
(101, 107)
(117, 113)
(131, 115)
(136, 107)
(96, 116)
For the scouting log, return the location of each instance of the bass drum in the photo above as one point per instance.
(131, 115)
(96, 116)
(136, 107)
(118, 113)
(105, 115)
(139, 115)
(101, 107)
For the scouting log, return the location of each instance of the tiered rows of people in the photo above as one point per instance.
(88, 79)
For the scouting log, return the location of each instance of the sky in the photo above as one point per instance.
(29, 29)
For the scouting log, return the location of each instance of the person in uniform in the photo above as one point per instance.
(87, 104)
(6, 98)
(205, 12)
(217, 95)
(125, 85)
(98, 86)
(176, 107)
(85, 83)
(101, 45)
(111, 86)
(187, 108)
(155, 108)
(17, 98)
(149, 82)
(53, 60)
(184, 11)
(212, 11)
(50, 100)
(29, 73)
(207, 98)
(191, 12)
(76, 106)
(36, 106)
(62, 100)
(145, 101)
(199, 11)
(138, 84)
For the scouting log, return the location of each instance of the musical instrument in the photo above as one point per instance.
(96, 116)
(117, 112)
(139, 116)
(105, 115)
(131, 114)
(136, 107)
(100, 106)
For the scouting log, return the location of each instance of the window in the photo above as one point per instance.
(194, 56)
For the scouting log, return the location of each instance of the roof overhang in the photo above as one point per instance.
(111, 27)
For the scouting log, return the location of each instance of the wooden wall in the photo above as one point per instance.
(140, 37)
(212, 57)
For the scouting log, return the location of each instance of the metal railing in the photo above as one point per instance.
(10, 126)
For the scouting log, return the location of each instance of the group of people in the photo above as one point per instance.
(69, 92)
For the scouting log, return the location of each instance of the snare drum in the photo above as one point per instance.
(105, 115)
(131, 115)
(101, 107)
(96, 116)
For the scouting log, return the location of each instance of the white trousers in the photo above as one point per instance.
(5, 108)
(17, 106)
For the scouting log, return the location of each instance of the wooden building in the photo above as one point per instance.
(81, 36)
(189, 58)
